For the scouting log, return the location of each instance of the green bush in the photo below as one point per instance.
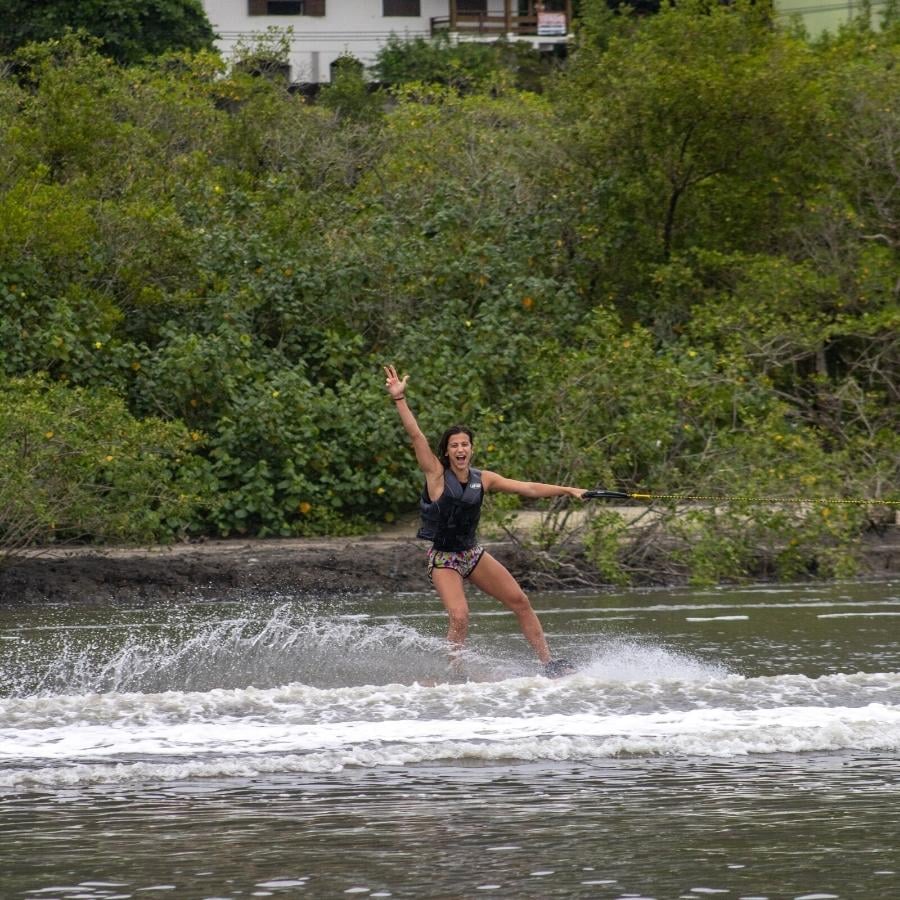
(464, 66)
(76, 466)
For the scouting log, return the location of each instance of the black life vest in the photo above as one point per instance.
(450, 522)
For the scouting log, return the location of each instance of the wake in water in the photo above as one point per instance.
(262, 647)
(266, 647)
(282, 690)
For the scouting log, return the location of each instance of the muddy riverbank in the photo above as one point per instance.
(215, 568)
(389, 561)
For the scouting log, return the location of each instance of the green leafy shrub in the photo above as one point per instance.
(465, 66)
(76, 466)
(294, 458)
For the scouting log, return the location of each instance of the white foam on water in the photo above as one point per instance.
(628, 660)
(716, 618)
(701, 730)
(244, 746)
(264, 647)
(602, 689)
(285, 693)
(856, 615)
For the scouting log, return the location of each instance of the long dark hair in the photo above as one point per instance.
(445, 439)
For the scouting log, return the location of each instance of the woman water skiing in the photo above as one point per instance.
(451, 506)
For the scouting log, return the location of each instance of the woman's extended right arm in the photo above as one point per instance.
(430, 465)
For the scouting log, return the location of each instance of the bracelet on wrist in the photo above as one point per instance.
(398, 399)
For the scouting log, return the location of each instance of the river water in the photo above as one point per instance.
(742, 743)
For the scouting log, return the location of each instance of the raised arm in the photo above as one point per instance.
(430, 465)
(533, 490)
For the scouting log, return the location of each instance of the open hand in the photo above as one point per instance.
(394, 385)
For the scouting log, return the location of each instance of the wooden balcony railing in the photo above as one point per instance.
(486, 23)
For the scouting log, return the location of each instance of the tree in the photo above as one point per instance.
(128, 31)
(699, 129)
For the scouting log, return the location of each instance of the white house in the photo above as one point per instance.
(826, 15)
(324, 30)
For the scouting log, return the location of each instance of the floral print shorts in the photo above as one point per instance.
(462, 561)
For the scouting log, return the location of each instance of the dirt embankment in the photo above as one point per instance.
(219, 568)
(393, 561)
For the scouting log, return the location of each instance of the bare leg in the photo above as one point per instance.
(494, 578)
(449, 585)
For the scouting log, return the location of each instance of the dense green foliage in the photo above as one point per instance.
(127, 31)
(675, 269)
(77, 465)
(464, 65)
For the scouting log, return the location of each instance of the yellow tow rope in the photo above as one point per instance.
(736, 498)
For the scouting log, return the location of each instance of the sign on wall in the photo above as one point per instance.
(549, 23)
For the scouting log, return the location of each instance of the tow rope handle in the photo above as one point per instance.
(600, 494)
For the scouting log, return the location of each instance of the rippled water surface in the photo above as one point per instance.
(742, 743)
